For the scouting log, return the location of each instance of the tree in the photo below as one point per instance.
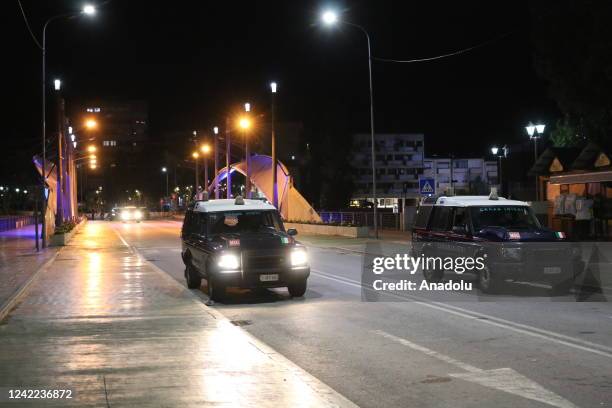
(572, 41)
(565, 134)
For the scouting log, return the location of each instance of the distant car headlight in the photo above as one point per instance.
(228, 262)
(299, 257)
(511, 253)
(125, 215)
(138, 214)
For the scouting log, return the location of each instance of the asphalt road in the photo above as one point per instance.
(530, 351)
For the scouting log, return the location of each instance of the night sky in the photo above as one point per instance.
(195, 61)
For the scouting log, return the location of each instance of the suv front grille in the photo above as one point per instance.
(254, 262)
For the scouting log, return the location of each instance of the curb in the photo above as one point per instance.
(8, 306)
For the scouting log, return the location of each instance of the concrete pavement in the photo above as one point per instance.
(19, 261)
(103, 322)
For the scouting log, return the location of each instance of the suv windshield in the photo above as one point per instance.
(512, 217)
(243, 221)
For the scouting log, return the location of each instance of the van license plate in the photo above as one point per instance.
(552, 270)
(268, 278)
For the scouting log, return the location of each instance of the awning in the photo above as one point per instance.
(581, 178)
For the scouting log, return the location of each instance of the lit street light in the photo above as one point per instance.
(245, 124)
(195, 156)
(87, 10)
(165, 170)
(91, 148)
(535, 132)
(205, 152)
(500, 153)
(216, 144)
(330, 18)
(273, 143)
(91, 124)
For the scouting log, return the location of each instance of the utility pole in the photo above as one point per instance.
(216, 147)
(59, 216)
(228, 167)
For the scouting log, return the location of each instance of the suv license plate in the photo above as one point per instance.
(268, 278)
(552, 270)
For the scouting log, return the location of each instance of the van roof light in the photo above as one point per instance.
(239, 200)
(493, 195)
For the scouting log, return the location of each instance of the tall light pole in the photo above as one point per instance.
(228, 165)
(196, 157)
(205, 149)
(245, 124)
(535, 132)
(87, 10)
(216, 144)
(165, 170)
(273, 143)
(500, 153)
(331, 18)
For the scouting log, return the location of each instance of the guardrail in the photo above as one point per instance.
(363, 219)
(10, 222)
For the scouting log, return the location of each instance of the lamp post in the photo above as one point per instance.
(273, 143)
(87, 10)
(205, 149)
(228, 168)
(331, 18)
(245, 123)
(535, 132)
(216, 146)
(165, 170)
(196, 156)
(500, 153)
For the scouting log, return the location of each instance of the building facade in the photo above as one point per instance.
(469, 176)
(399, 160)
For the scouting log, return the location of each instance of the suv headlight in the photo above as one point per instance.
(138, 214)
(125, 215)
(511, 253)
(228, 262)
(299, 257)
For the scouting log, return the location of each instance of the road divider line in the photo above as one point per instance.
(324, 391)
(502, 379)
(557, 338)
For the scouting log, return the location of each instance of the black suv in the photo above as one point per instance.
(241, 243)
(504, 235)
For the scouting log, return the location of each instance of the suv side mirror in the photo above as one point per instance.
(460, 230)
(291, 231)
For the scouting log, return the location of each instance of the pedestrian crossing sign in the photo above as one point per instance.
(427, 186)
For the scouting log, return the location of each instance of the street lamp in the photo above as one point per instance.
(57, 84)
(87, 10)
(273, 143)
(195, 156)
(205, 149)
(91, 124)
(330, 18)
(245, 124)
(165, 170)
(535, 132)
(216, 144)
(500, 153)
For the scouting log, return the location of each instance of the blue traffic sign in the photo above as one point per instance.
(427, 186)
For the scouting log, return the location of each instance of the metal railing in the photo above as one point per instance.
(362, 219)
(9, 222)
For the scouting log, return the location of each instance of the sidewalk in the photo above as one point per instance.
(19, 260)
(119, 332)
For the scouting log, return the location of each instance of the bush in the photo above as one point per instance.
(65, 227)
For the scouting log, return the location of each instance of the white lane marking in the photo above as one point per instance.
(502, 379)
(558, 338)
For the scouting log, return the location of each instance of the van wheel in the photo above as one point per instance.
(297, 289)
(194, 281)
(487, 282)
(216, 291)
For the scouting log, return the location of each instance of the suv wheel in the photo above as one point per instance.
(297, 289)
(194, 281)
(488, 282)
(216, 291)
